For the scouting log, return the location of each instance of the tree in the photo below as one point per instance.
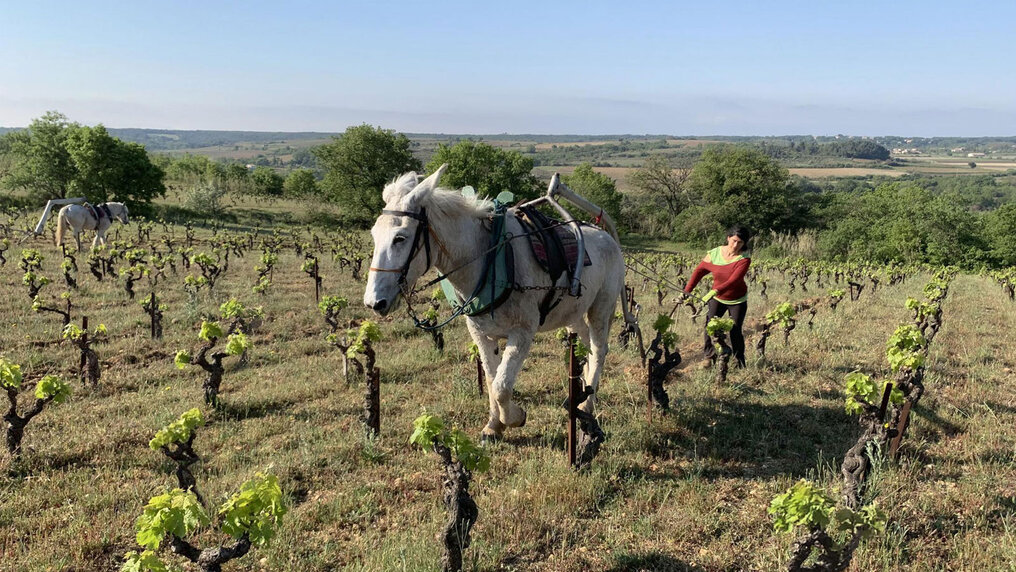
(237, 178)
(596, 187)
(236, 172)
(188, 169)
(1000, 233)
(664, 190)
(107, 168)
(56, 158)
(360, 163)
(7, 156)
(857, 149)
(43, 165)
(906, 223)
(487, 169)
(265, 182)
(741, 185)
(301, 183)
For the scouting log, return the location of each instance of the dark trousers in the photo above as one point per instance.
(737, 313)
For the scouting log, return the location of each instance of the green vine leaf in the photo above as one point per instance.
(256, 510)
(52, 387)
(210, 331)
(803, 505)
(10, 375)
(177, 512)
(178, 431)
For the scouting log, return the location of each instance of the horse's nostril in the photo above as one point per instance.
(380, 306)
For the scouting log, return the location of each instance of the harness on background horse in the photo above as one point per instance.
(98, 212)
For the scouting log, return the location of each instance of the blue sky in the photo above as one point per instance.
(717, 68)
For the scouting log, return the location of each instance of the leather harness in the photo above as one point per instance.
(98, 211)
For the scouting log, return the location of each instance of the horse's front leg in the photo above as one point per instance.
(491, 360)
(515, 353)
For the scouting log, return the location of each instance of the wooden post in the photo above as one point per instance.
(479, 374)
(151, 313)
(901, 427)
(373, 405)
(84, 341)
(573, 395)
(885, 400)
(317, 282)
(649, 392)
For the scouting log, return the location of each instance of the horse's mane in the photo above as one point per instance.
(446, 203)
(442, 202)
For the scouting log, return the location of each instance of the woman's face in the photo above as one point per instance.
(735, 244)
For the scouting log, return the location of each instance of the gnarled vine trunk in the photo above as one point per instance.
(462, 511)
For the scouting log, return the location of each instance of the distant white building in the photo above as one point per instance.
(975, 154)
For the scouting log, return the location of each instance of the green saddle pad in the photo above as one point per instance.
(498, 275)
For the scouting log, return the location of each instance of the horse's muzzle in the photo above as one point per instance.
(381, 307)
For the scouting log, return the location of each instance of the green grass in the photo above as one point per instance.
(688, 492)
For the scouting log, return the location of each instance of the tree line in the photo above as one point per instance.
(918, 220)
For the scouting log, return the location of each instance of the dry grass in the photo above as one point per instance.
(688, 492)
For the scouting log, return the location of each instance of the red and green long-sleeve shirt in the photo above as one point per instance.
(729, 286)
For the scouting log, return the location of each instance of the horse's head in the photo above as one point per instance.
(400, 238)
(119, 211)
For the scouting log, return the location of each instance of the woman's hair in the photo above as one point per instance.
(743, 233)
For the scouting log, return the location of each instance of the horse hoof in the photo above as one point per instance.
(519, 419)
(491, 438)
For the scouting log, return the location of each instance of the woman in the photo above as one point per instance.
(728, 265)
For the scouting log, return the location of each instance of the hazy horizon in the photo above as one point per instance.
(738, 69)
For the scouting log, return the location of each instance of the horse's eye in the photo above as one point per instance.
(398, 239)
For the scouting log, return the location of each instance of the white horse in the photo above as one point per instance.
(460, 232)
(79, 218)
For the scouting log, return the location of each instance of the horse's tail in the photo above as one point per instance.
(61, 219)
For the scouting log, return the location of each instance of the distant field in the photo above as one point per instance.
(250, 150)
(946, 165)
(282, 150)
(688, 142)
(620, 174)
(825, 173)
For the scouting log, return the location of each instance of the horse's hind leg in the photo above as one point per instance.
(598, 321)
(491, 360)
(582, 330)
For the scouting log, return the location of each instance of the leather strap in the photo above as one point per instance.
(424, 226)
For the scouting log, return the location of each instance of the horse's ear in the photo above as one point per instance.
(399, 187)
(425, 188)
